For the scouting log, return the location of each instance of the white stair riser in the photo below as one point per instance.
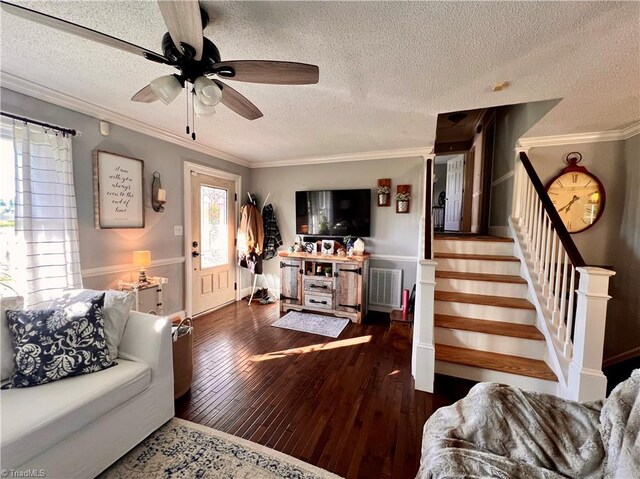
(526, 348)
(480, 374)
(473, 247)
(481, 311)
(490, 288)
(478, 266)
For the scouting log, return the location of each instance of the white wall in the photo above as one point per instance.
(614, 241)
(392, 234)
(103, 248)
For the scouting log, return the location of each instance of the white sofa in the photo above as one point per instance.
(77, 427)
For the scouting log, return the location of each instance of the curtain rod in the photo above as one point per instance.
(67, 131)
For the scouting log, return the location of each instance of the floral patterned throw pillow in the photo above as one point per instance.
(52, 344)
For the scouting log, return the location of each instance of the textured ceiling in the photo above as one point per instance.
(386, 68)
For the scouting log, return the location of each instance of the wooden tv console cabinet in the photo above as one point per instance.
(304, 284)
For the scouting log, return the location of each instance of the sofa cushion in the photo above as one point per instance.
(34, 419)
(117, 305)
(6, 345)
(52, 344)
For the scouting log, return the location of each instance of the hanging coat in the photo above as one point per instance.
(272, 239)
(251, 231)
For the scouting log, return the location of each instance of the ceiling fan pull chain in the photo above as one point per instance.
(187, 110)
(193, 115)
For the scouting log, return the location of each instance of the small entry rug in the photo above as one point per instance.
(312, 323)
(183, 449)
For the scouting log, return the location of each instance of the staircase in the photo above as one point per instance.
(485, 327)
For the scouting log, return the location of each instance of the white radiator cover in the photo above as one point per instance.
(385, 289)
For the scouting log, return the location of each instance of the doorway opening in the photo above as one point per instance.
(462, 171)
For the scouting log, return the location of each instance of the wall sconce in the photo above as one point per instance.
(142, 259)
(158, 195)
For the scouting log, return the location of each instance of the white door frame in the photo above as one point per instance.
(205, 170)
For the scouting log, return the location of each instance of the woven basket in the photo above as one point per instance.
(182, 336)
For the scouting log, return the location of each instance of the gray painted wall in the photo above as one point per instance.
(511, 123)
(100, 248)
(391, 233)
(614, 241)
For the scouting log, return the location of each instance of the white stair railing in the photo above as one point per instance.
(572, 297)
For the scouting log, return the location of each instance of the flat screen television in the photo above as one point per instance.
(333, 213)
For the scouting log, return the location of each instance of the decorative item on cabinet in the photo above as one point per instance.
(158, 195)
(311, 247)
(384, 192)
(358, 247)
(403, 197)
(327, 247)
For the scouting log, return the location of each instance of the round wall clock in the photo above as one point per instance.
(577, 195)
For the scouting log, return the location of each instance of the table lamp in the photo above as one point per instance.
(142, 259)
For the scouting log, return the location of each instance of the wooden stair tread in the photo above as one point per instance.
(533, 368)
(497, 239)
(494, 278)
(503, 301)
(483, 257)
(501, 328)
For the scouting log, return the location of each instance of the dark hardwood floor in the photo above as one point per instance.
(346, 405)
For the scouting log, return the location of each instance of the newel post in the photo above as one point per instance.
(423, 354)
(586, 380)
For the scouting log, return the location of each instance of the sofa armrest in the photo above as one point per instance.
(147, 338)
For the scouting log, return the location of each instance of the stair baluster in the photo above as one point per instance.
(555, 268)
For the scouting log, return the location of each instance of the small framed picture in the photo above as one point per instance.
(311, 247)
(327, 247)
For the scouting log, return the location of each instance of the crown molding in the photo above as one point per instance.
(578, 138)
(26, 87)
(423, 151)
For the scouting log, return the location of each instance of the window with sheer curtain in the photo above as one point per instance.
(38, 219)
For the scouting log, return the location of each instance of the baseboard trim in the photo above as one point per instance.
(618, 358)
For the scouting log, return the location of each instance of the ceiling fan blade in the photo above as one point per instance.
(184, 23)
(80, 31)
(238, 103)
(145, 95)
(274, 73)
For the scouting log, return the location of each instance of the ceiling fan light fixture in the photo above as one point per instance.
(166, 87)
(207, 91)
(201, 109)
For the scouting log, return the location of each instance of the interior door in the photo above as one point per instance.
(213, 275)
(454, 190)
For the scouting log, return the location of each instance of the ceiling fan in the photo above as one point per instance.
(195, 57)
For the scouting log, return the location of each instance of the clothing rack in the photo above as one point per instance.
(66, 131)
(255, 276)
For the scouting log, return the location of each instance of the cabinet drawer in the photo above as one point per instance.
(318, 285)
(318, 301)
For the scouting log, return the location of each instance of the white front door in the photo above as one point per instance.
(213, 225)
(454, 189)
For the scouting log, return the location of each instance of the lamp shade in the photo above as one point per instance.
(207, 91)
(200, 109)
(142, 258)
(166, 87)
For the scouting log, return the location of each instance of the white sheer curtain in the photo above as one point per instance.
(48, 259)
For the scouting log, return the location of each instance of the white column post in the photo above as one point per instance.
(423, 354)
(423, 357)
(586, 380)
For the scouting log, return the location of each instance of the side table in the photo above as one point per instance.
(154, 285)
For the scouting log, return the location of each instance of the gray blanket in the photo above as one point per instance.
(504, 432)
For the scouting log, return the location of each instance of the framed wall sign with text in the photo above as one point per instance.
(118, 185)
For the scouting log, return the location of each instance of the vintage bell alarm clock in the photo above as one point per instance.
(577, 195)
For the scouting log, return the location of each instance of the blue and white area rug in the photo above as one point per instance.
(183, 449)
(312, 323)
